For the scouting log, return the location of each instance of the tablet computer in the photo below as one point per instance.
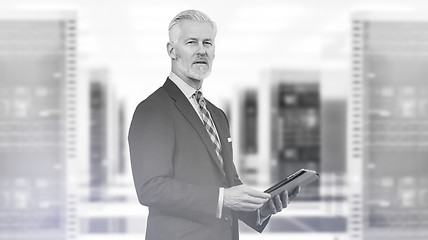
(300, 178)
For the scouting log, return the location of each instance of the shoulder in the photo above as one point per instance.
(152, 118)
(154, 109)
(155, 102)
(159, 96)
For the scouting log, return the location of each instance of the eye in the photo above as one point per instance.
(191, 42)
(208, 43)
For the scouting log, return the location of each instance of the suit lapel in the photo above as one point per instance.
(223, 133)
(187, 110)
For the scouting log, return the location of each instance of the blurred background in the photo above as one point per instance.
(337, 86)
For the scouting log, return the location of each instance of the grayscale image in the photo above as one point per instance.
(227, 120)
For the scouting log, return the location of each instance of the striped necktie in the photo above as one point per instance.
(209, 124)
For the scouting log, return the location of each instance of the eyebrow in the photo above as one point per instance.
(194, 38)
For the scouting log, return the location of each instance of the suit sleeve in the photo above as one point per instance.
(152, 145)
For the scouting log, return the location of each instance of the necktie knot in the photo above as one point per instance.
(199, 98)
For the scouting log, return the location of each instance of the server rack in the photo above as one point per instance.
(98, 165)
(247, 138)
(295, 126)
(106, 161)
(290, 136)
(37, 125)
(388, 127)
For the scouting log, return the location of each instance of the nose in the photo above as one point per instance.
(201, 50)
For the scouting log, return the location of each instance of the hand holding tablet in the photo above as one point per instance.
(300, 178)
(285, 190)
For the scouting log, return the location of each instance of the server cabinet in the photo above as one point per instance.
(37, 125)
(388, 127)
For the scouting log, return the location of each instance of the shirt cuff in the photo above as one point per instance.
(260, 219)
(220, 202)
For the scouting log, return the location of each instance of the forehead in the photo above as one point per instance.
(195, 29)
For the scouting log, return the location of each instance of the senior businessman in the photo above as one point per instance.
(181, 150)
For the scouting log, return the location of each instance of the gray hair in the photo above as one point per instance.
(193, 15)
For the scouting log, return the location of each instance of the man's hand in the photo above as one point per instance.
(278, 202)
(244, 198)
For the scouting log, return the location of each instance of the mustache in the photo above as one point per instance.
(201, 60)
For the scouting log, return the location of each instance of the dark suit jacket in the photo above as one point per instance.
(176, 171)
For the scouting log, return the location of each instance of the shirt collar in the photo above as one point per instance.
(182, 85)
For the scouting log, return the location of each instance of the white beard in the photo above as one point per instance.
(199, 74)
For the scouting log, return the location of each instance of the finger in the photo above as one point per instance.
(284, 196)
(278, 203)
(286, 200)
(258, 194)
(254, 200)
(295, 192)
(265, 210)
(251, 206)
(272, 207)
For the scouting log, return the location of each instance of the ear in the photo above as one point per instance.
(171, 50)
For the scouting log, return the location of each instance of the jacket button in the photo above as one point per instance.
(229, 220)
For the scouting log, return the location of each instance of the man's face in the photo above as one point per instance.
(194, 49)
